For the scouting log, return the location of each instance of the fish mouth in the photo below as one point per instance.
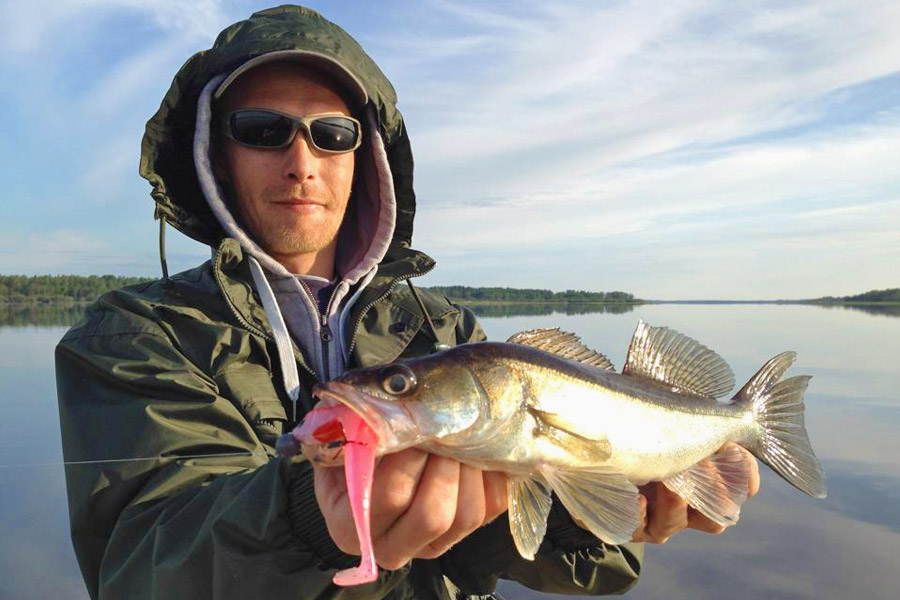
(334, 393)
(390, 420)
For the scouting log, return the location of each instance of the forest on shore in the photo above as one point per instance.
(462, 293)
(60, 289)
(891, 295)
(81, 289)
(68, 289)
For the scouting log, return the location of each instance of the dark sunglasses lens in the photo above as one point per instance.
(256, 128)
(336, 134)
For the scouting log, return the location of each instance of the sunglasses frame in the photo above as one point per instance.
(297, 123)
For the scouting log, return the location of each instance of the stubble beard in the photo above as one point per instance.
(279, 238)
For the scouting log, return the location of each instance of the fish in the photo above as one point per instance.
(559, 420)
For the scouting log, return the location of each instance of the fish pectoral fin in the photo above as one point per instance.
(681, 363)
(588, 445)
(562, 344)
(529, 506)
(602, 498)
(716, 486)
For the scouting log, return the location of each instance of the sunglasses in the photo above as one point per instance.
(266, 128)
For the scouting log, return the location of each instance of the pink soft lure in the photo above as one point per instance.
(338, 427)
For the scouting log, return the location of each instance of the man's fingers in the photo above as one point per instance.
(430, 515)
(395, 484)
(698, 521)
(470, 513)
(667, 516)
(495, 495)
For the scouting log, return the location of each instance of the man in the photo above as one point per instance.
(282, 149)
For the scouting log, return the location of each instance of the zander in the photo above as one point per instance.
(556, 417)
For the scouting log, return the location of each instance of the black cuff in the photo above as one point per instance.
(308, 524)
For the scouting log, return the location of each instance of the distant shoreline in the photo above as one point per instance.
(79, 290)
(554, 302)
(803, 302)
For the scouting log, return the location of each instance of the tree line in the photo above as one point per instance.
(889, 295)
(464, 293)
(50, 289)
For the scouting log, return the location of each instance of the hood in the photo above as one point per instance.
(167, 160)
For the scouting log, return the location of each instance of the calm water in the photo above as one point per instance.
(786, 546)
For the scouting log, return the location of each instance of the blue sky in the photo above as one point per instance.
(673, 150)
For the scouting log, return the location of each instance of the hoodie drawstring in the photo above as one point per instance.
(162, 247)
(290, 375)
(438, 344)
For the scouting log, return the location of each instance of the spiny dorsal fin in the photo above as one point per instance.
(562, 344)
(664, 355)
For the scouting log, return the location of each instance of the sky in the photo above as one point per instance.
(679, 150)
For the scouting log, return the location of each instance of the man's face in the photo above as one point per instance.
(291, 200)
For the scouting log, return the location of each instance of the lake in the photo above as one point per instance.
(786, 545)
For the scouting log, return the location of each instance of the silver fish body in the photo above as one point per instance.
(556, 417)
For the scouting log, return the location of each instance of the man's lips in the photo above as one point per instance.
(299, 202)
(302, 205)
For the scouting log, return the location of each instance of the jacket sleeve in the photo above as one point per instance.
(204, 511)
(569, 561)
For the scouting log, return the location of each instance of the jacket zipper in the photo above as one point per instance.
(243, 322)
(366, 308)
(325, 334)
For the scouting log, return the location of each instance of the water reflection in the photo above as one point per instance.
(857, 491)
(786, 546)
(44, 315)
(52, 315)
(550, 308)
(885, 310)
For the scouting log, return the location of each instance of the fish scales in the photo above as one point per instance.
(652, 431)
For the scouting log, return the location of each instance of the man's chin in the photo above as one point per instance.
(293, 244)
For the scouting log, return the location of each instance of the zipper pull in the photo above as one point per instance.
(325, 330)
(326, 336)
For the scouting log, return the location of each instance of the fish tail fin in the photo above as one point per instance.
(781, 441)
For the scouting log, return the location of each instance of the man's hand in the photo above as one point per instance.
(422, 505)
(665, 513)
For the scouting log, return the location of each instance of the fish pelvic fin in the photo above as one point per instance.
(782, 442)
(602, 498)
(716, 486)
(529, 502)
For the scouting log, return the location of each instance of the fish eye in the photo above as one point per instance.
(398, 380)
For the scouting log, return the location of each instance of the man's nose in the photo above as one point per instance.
(300, 160)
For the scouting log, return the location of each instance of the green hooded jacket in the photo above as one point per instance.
(174, 386)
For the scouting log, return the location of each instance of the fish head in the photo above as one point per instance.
(406, 403)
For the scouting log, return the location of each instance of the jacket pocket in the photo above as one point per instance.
(251, 390)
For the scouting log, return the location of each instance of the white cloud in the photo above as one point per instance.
(665, 148)
(599, 75)
(29, 27)
(53, 252)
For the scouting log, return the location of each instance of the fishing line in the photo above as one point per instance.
(126, 460)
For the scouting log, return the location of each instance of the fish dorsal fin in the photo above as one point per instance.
(716, 486)
(664, 355)
(562, 344)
